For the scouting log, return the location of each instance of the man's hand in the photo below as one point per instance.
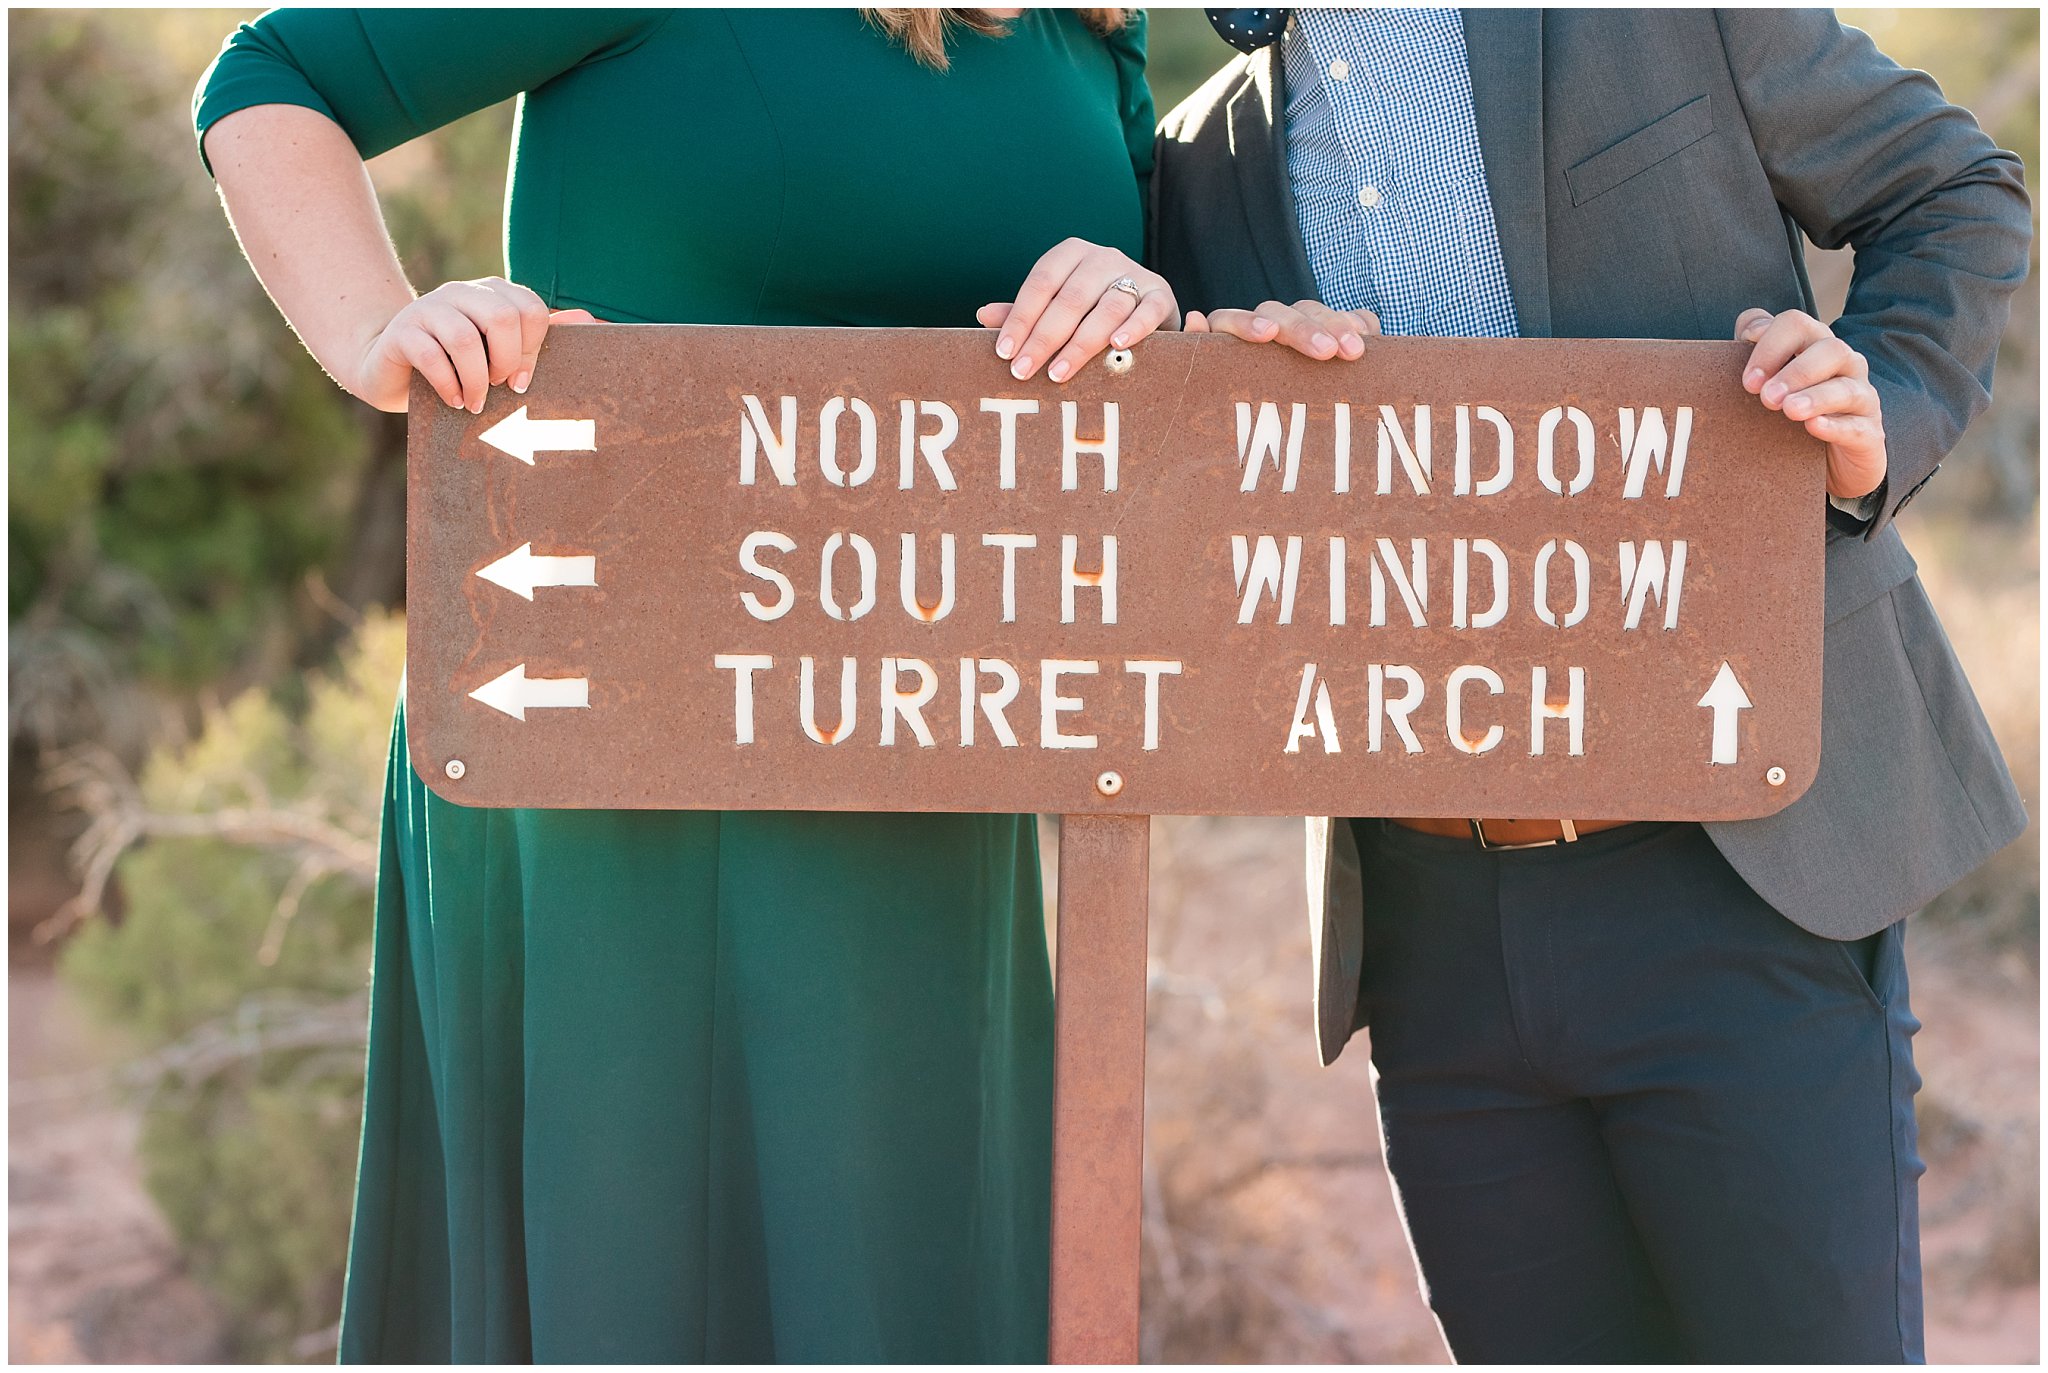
(1799, 368)
(1309, 327)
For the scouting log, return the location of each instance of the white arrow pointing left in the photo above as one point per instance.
(515, 693)
(521, 570)
(1724, 698)
(523, 437)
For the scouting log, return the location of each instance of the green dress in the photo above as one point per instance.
(657, 1085)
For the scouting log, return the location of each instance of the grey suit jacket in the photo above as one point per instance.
(1651, 172)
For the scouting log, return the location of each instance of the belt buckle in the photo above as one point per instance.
(1570, 836)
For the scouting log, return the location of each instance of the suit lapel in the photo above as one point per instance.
(1504, 49)
(1257, 112)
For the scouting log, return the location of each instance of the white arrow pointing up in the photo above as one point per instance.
(1724, 698)
(523, 437)
(515, 693)
(521, 570)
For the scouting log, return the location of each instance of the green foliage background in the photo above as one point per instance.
(188, 495)
(254, 1012)
(196, 515)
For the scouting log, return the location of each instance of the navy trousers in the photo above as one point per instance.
(1632, 1113)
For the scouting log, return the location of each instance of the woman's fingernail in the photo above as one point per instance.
(1021, 368)
(520, 382)
(1122, 340)
(1058, 371)
(1005, 346)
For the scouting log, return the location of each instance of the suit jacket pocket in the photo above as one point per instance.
(1640, 151)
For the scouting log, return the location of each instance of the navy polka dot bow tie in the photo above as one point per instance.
(1248, 30)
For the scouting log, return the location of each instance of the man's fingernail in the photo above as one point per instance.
(1353, 345)
(1021, 368)
(1753, 377)
(1262, 325)
(1797, 407)
(1775, 392)
(1321, 341)
(1005, 346)
(1058, 371)
(519, 383)
(1122, 340)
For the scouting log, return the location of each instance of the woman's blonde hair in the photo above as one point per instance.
(924, 32)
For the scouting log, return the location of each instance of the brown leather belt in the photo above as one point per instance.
(1512, 834)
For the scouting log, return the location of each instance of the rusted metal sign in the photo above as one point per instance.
(752, 568)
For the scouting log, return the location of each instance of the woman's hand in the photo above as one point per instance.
(1799, 368)
(1309, 327)
(306, 213)
(464, 338)
(1078, 300)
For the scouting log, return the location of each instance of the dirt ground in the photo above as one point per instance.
(93, 1276)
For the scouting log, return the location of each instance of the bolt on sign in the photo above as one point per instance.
(763, 568)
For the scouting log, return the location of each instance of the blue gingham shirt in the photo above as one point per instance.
(1389, 184)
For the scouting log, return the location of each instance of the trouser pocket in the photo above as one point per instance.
(1870, 961)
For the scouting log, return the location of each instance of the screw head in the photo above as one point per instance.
(1119, 361)
(455, 769)
(1110, 783)
(1776, 777)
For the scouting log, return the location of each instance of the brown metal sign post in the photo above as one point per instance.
(1098, 1110)
(750, 568)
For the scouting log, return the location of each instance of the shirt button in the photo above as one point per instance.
(1369, 197)
(1339, 69)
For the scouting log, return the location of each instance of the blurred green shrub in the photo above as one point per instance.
(195, 513)
(189, 496)
(178, 465)
(239, 966)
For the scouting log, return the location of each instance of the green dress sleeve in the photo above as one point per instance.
(1134, 97)
(386, 76)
